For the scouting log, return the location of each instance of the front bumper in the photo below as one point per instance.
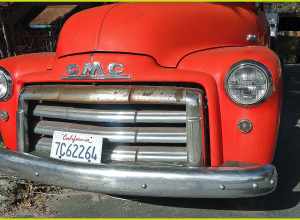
(136, 180)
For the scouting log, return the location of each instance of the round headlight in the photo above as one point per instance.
(5, 84)
(248, 83)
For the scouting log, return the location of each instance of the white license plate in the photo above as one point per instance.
(76, 147)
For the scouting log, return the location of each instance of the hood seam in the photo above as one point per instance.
(98, 38)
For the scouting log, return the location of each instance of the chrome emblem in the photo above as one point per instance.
(95, 70)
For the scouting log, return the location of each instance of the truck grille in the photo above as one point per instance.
(138, 123)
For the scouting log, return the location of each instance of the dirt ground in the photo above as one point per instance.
(44, 201)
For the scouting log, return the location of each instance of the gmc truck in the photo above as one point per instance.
(144, 99)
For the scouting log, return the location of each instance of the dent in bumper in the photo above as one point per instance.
(143, 181)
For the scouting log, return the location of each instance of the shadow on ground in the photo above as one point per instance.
(287, 161)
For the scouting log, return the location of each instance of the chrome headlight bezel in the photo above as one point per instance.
(4, 73)
(254, 64)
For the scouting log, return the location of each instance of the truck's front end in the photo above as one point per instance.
(172, 100)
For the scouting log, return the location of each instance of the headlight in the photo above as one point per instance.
(248, 83)
(5, 85)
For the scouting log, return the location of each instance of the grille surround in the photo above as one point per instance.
(191, 98)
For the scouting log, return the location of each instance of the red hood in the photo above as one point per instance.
(166, 32)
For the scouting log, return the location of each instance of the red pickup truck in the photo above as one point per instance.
(163, 100)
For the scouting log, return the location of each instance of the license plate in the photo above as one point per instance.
(76, 147)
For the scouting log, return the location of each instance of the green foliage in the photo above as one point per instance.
(289, 7)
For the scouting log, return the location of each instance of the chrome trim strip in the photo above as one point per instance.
(193, 128)
(155, 181)
(22, 134)
(20, 131)
(112, 116)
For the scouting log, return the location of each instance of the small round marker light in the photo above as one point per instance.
(3, 116)
(245, 126)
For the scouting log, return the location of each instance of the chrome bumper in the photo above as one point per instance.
(143, 181)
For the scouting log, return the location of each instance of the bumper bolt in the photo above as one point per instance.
(36, 174)
(144, 186)
(222, 187)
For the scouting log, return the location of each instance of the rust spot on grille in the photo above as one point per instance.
(148, 92)
(178, 95)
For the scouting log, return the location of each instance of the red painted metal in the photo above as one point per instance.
(167, 32)
(197, 42)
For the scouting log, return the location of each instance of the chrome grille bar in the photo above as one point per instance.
(117, 134)
(106, 94)
(125, 153)
(113, 116)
